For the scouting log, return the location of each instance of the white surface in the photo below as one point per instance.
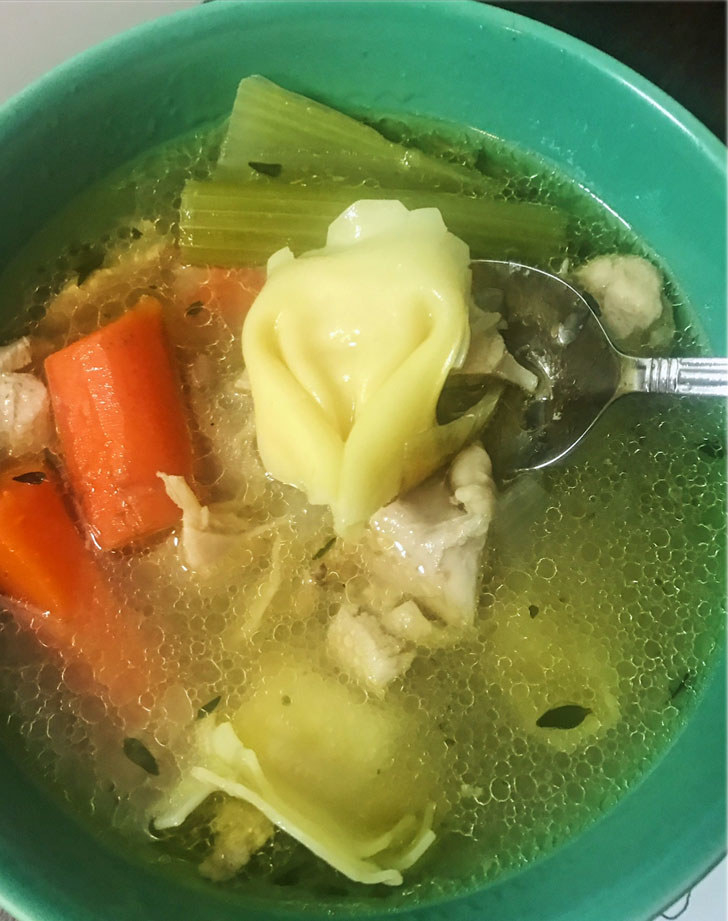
(35, 35)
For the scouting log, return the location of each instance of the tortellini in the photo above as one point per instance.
(347, 349)
(337, 772)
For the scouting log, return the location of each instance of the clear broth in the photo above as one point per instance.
(609, 579)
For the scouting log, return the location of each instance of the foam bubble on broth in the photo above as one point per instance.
(618, 572)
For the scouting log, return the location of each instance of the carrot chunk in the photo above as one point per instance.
(43, 559)
(118, 410)
(62, 594)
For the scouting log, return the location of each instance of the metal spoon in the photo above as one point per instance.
(555, 331)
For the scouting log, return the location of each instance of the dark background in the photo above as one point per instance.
(680, 46)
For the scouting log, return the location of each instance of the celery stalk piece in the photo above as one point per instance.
(294, 138)
(232, 224)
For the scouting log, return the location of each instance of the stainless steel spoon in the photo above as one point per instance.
(555, 331)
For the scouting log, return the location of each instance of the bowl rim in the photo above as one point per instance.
(475, 10)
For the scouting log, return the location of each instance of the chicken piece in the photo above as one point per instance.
(488, 353)
(628, 290)
(472, 483)
(240, 830)
(407, 622)
(24, 414)
(362, 648)
(15, 355)
(429, 542)
(24, 406)
(374, 640)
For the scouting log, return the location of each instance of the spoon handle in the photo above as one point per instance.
(700, 377)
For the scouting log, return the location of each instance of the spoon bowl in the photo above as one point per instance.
(554, 330)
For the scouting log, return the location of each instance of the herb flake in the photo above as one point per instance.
(325, 549)
(681, 686)
(267, 169)
(207, 708)
(567, 717)
(194, 309)
(138, 753)
(32, 478)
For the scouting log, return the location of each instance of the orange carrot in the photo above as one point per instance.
(119, 415)
(229, 293)
(46, 566)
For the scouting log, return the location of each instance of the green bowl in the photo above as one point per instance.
(615, 133)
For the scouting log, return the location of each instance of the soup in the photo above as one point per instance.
(323, 667)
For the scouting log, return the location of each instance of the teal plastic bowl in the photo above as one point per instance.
(615, 133)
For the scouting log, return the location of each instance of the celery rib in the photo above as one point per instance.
(244, 223)
(309, 140)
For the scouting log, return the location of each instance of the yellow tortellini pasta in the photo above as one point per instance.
(347, 349)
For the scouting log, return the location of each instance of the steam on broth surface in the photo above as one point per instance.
(598, 612)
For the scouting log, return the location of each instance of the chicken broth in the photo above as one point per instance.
(598, 615)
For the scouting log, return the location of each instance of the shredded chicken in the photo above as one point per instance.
(209, 533)
(429, 542)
